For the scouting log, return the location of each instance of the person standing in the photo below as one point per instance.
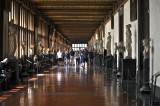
(67, 58)
(91, 57)
(72, 53)
(60, 57)
(77, 58)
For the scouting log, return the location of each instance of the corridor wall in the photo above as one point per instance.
(154, 8)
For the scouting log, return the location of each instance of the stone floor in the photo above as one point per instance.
(73, 86)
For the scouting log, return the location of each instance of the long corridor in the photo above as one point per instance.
(71, 87)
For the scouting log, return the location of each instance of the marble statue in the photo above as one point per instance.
(121, 47)
(31, 49)
(146, 69)
(146, 48)
(52, 40)
(128, 41)
(101, 46)
(44, 51)
(23, 47)
(12, 39)
(121, 50)
(40, 46)
(109, 44)
(47, 51)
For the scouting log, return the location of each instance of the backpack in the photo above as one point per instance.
(67, 56)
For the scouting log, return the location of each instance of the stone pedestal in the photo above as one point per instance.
(109, 60)
(145, 84)
(115, 63)
(129, 70)
(13, 64)
(119, 71)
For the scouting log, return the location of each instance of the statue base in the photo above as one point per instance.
(145, 86)
(129, 71)
(118, 74)
(145, 90)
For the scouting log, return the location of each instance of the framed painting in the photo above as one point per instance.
(133, 10)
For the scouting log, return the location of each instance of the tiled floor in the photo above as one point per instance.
(73, 87)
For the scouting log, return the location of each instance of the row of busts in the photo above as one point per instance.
(121, 49)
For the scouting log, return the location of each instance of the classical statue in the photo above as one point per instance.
(52, 39)
(146, 64)
(121, 47)
(12, 39)
(109, 44)
(146, 48)
(121, 50)
(40, 46)
(44, 51)
(128, 41)
(23, 47)
(31, 49)
(47, 51)
(101, 46)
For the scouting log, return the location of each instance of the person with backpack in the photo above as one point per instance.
(67, 58)
(72, 53)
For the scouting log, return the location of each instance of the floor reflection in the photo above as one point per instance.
(73, 86)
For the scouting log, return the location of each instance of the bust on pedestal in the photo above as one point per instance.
(145, 86)
(121, 50)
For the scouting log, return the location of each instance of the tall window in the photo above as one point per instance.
(13, 31)
(42, 34)
(25, 20)
(77, 47)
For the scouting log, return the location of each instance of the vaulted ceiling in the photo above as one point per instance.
(77, 20)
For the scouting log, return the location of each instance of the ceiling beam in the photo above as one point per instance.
(76, 17)
(73, 1)
(74, 11)
(76, 7)
(74, 14)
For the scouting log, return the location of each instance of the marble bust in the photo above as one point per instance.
(128, 41)
(121, 47)
(23, 47)
(146, 48)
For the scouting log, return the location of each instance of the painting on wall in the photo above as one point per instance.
(133, 10)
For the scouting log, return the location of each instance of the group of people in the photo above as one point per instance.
(77, 58)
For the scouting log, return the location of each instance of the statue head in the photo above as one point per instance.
(120, 44)
(23, 43)
(128, 26)
(11, 21)
(146, 42)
